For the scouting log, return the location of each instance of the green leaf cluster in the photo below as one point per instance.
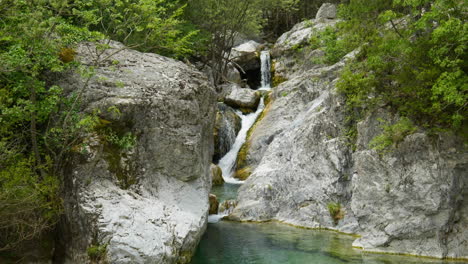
(392, 135)
(412, 58)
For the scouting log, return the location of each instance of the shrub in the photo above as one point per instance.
(336, 212)
(392, 135)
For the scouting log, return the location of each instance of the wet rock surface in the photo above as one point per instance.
(227, 125)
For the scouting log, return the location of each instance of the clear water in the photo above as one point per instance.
(273, 243)
(226, 191)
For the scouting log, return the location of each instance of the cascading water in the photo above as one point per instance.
(265, 70)
(228, 161)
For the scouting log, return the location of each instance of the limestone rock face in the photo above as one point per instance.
(326, 11)
(411, 200)
(227, 125)
(148, 200)
(299, 35)
(243, 98)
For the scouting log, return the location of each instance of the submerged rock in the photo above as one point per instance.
(144, 201)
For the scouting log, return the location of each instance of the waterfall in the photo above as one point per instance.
(228, 162)
(265, 70)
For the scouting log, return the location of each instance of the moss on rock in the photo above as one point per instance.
(243, 173)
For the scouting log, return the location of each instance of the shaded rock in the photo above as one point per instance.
(243, 98)
(326, 11)
(233, 75)
(227, 125)
(246, 55)
(147, 201)
(213, 204)
(216, 175)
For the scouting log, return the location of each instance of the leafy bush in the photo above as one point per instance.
(413, 59)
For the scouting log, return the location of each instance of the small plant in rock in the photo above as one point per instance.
(392, 135)
(125, 142)
(97, 253)
(336, 212)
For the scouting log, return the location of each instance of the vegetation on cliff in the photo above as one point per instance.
(412, 58)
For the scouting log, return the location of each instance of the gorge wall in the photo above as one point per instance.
(305, 172)
(137, 191)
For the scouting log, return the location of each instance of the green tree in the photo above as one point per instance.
(222, 21)
(413, 59)
(34, 40)
(148, 25)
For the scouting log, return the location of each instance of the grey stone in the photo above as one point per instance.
(246, 55)
(299, 35)
(148, 203)
(326, 11)
(243, 98)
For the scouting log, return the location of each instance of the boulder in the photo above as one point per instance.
(326, 11)
(144, 201)
(243, 98)
(216, 175)
(214, 204)
(246, 55)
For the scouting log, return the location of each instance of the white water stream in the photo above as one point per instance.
(228, 162)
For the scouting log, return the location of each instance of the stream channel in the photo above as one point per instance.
(227, 242)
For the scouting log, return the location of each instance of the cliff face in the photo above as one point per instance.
(137, 191)
(411, 200)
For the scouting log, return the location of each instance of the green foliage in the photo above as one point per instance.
(392, 135)
(221, 22)
(37, 123)
(97, 253)
(336, 212)
(151, 26)
(329, 41)
(125, 142)
(414, 59)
